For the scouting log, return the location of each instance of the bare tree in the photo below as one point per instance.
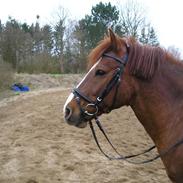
(59, 32)
(132, 18)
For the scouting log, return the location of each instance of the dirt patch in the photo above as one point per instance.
(38, 82)
(37, 146)
(45, 81)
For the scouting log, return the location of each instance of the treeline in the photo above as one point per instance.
(62, 47)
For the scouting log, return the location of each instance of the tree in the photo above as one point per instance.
(47, 39)
(148, 36)
(133, 22)
(11, 42)
(37, 37)
(105, 14)
(80, 45)
(25, 27)
(59, 31)
(153, 40)
(95, 25)
(132, 18)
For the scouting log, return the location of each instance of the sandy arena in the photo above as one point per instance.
(37, 146)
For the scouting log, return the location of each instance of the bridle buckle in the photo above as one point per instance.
(99, 99)
(93, 106)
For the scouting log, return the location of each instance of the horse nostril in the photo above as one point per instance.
(68, 112)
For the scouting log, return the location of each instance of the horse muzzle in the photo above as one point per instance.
(73, 116)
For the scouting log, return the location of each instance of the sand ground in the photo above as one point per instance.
(37, 146)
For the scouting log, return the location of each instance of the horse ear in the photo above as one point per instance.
(113, 38)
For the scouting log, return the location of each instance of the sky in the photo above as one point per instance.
(165, 15)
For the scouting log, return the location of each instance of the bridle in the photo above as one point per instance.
(114, 82)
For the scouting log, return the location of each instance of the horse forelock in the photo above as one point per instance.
(104, 46)
(97, 52)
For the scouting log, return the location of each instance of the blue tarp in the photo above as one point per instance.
(18, 87)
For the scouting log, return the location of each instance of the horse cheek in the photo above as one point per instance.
(125, 94)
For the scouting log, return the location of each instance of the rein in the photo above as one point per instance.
(114, 82)
(121, 157)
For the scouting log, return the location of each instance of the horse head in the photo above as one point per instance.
(106, 86)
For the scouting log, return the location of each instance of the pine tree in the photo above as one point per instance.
(148, 36)
(152, 37)
(143, 37)
(47, 39)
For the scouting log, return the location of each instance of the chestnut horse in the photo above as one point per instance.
(149, 79)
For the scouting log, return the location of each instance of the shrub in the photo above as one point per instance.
(6, 75)
(40, 63)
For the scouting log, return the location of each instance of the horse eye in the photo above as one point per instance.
(100, 73)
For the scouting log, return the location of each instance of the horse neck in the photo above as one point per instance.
(159, 104)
